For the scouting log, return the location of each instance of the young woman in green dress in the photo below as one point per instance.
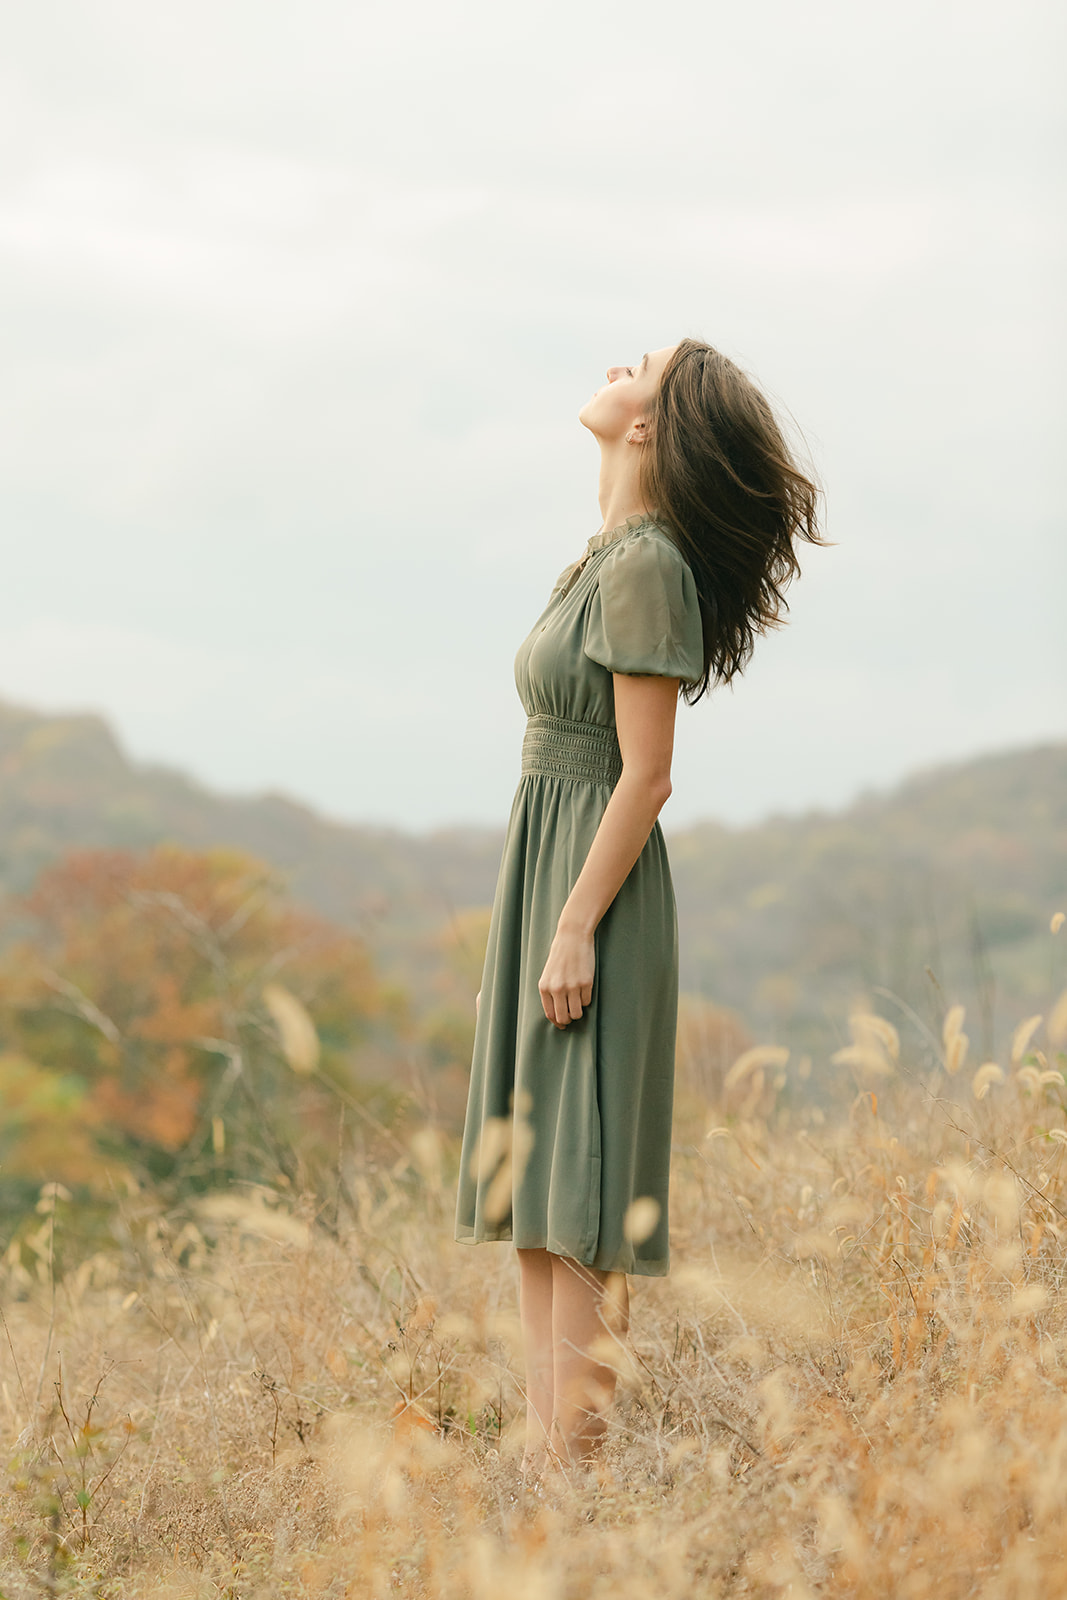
(566, 1147)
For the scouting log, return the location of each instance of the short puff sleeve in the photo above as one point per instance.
(644, 617)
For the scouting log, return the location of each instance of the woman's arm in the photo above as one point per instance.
(644, 718)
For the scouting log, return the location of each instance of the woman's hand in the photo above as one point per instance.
(566, 984)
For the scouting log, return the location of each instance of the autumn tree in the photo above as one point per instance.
(172, 1015)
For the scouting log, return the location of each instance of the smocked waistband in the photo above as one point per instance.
(585, 752)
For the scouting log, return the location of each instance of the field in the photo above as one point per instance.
(854, 1381)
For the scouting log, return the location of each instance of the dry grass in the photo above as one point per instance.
(853, 1383)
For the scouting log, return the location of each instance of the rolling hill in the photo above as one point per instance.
(939, 890)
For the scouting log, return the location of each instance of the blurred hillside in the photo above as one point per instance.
(939, 891)
(65, 783)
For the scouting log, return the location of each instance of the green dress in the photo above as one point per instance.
(567, 1128)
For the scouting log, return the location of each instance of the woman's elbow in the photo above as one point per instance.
(660, 791)
(654, 786)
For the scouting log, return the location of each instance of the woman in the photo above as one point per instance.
(566, 1147)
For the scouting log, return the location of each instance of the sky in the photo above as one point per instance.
(299, 304)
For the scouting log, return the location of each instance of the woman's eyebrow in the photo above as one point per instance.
(644, 360)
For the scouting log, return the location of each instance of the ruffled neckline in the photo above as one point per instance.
(608, 536)
(599, 541)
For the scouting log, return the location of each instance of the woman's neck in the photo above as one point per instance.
(619, 491)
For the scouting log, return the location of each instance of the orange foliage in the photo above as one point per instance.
(143, 976)
(163, 1111)
(46, 1125)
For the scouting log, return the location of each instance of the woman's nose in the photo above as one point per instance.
(614, 372)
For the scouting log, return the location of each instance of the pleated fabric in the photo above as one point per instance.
(566, 1129)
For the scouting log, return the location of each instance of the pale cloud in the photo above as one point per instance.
(226, 234)
(301, 307)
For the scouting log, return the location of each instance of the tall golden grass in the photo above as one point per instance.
(853, 1383)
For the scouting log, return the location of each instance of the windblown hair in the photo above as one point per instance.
(725, 485)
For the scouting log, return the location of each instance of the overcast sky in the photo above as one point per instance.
(300, 301)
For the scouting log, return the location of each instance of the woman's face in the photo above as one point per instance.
(623, 402)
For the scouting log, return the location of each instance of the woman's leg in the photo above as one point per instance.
(535, 1311)
(586, 1304)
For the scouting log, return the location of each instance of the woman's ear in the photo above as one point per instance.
(638, 431)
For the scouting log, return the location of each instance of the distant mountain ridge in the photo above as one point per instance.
(937, 892)
(957, 870)
(66, 783)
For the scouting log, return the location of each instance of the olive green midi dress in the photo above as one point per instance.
(567, 1128)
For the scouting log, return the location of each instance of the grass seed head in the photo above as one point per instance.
(296, 1031)
(954, 1040)
(1022, 1036)
(984, 1078)
(760, 1055)
(641, 1220)
(864, 1058)
(952, 1024)
(868, 1027)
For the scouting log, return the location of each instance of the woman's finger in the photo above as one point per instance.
(556, 1008)
(563, 1006)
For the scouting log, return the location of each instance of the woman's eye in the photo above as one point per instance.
(630, 372)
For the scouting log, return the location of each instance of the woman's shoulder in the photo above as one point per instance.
(644, 613)
(648, 545)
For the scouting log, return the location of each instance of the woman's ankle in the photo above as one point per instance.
(579, 1451)
(533, 1461)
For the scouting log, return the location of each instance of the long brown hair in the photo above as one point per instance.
(727, 489)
